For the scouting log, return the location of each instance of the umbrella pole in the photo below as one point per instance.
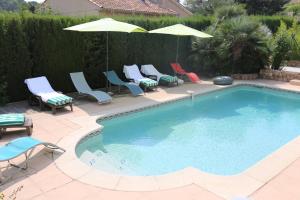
(177, 49)
(106, 60)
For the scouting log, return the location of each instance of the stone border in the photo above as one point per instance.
(228, 187)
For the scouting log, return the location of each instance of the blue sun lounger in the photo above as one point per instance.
(20, 146)
(113, 78)
(83, 87)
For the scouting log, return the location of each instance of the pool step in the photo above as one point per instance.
(101, 160)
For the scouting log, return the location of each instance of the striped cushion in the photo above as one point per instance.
(12, 119)
(148, 83)
(168, 79)
(60, 100)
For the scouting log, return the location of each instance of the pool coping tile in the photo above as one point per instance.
(228, 187)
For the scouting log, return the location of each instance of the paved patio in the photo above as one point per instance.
(43, 179)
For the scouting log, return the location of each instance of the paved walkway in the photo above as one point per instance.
(43, 180)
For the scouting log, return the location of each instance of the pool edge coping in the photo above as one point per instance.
(228, 187)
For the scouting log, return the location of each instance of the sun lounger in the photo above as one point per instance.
(179, 70)
(133, 74)
(44, 93)
(15, 121)
(113, 78)
(21, 146)
(164, 79)
(82, 87)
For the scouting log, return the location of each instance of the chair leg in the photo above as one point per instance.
(29, 130)
(71, 106)
(53, 110)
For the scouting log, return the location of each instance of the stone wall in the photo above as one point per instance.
(244, 76)
(293, 63)
(278, 75)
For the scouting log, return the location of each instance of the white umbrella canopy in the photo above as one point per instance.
(180, 30)
(106, 25)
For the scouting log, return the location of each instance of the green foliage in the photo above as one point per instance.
(207, 7)
(11, 5)
(273, 22)
(285, 44)
(240, 45)
(264, 7)
(229, 11)
(292, 9)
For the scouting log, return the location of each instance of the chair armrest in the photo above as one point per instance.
(131, 80)
(154, 77)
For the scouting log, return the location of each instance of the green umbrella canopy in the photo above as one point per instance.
(180, 30)
(106, 25)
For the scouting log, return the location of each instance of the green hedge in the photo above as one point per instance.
(36, 45)
(273, 22)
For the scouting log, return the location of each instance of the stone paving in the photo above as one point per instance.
(43, 180)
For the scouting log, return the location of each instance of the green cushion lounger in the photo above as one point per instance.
(15, 121)
(82, 87)
(163, 79)
(21, 146)
(113, 78)
(45, 94)
(132, 73)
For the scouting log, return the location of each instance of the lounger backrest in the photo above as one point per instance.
(39, 85)
(113, 77)
(132, 72)
(150, 70)
(79, 82)
(177, 68)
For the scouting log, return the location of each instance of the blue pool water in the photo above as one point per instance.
(224, 132)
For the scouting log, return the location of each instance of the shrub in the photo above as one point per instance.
(229, 11)
(264, 7)
(285, 44)
(273, 22)
(292, 9)
(240, 45)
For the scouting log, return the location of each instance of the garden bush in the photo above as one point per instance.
(240, 44)
(285, 44)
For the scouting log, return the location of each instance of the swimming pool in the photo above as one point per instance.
(224, 133)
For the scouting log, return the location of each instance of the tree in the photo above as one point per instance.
(239, 45)
(11, 5)
(18, 5)
(285, 44)
(264, 7)
(206, 7)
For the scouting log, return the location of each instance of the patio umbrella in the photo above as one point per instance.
(180, 30)
(106, 25)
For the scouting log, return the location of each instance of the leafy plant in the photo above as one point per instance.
(285, 44)
(240, 45)
(206, 7)
(292, 9)
(264, 7)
